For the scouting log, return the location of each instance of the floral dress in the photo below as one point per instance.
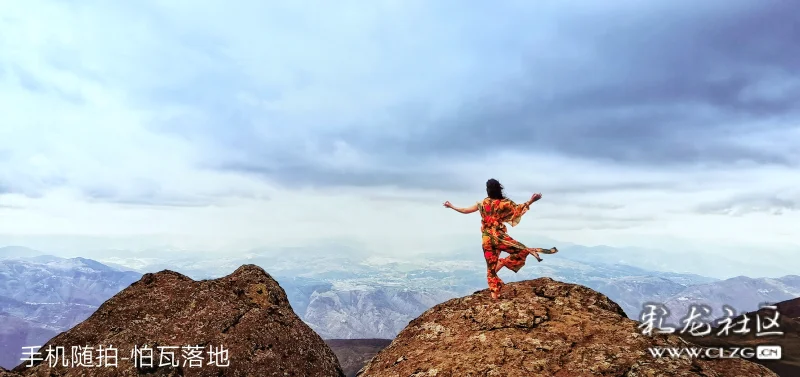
(494, 213)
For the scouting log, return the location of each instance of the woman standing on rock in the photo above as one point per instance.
(495, 210)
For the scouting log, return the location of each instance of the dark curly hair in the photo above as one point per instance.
(494, 189)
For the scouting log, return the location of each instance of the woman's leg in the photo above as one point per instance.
(491, 254)
(518, 252)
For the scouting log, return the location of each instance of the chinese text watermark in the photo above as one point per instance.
(697, 322)
(140, 356)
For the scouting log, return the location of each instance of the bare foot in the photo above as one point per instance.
(495, 295)
(499, 266)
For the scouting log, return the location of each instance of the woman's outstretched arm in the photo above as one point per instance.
(520, 209)
(534, 197)
(462, 210)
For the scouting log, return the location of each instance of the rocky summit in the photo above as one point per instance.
(788, 319)
(539, 327)
(237, 325)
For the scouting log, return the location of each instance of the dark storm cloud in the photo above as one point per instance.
(754, 203)
(595, 225)
(666, 84)
(305, 174)
(604, 206)
(660, 90)
(634, 220)
(150, 193)
(581, 187)
(293, 172)
(146, 193)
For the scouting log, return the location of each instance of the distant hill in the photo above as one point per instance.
(743, 293)
(17, 252)
(41, 296)
(16, 333)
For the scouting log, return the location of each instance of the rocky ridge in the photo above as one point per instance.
(237, 325)
(540, 327)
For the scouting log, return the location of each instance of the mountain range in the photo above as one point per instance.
(339, 296)
(41, 296)
(243, 324)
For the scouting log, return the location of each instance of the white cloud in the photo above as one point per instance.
(112, 114)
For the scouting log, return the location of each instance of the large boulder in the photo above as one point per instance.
(539, 327)
(245, 314)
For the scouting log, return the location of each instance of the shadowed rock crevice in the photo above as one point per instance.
(353, 354)
(246, 313)
(539, 327)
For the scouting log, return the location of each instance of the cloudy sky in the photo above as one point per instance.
(211, 126)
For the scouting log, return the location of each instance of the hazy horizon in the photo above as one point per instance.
(649, 260)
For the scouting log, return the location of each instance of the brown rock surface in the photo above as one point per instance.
(789, 320)
(247, 313)
(539, 328)
(790, 308)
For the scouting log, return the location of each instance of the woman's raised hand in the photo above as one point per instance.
(448, 205)
(536, 197)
